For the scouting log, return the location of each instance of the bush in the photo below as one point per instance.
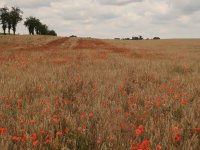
(156, 38)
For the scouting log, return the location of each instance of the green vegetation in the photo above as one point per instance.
(10, 19)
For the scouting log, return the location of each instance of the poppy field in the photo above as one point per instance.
(91, 94)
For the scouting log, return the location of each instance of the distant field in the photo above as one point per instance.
(88, 94)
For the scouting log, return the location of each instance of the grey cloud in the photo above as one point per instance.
(85, 16)
(186, 6)
(117, 2)
(189, 9)
(168, 18)
(28, 3)
(85, 12)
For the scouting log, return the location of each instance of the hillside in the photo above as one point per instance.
(83, 93)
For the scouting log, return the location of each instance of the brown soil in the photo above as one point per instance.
(95, 44)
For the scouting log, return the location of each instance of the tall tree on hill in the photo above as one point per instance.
(9, 21)
(16, 17)
(4, 15)
(32, 23)
(38, 27)
(43, 29)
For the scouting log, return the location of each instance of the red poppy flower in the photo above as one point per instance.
(91, 114)
(8, 106)
(32, 121)
(48, 136)
(177, 136)
(98, 141)
(35, 143)
(15, 138)
(145, 144)
(2, 130)
(85, 126)
(183, 102)
(79, 129)
(82, 116)
(34, 137)
(47, 142)
(42, 132)
(67, 130)
(139, 130)
(24, 138)
(59, 133)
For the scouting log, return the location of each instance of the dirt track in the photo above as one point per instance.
(66, 44)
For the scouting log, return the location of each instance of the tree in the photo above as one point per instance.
(28, 24)
(9, 21)
(38, 27)
(137, 37)
(32, 23)
(73, 36)
(43, 29)
(156, 38)
(4, 15)
(16, 17)
(52, 32)
(140, 37)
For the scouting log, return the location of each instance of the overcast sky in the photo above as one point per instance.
(114, 18)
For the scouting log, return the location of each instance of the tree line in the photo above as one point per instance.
(10, 18)
(137, 38)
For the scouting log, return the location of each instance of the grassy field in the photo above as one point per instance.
(88, 94)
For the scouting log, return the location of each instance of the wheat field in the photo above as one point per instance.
(92, 94)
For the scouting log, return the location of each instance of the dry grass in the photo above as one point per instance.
(109, 94)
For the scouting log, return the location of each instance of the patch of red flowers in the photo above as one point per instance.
(142, 146)
(177, 136)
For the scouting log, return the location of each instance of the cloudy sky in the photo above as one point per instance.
(114, 18)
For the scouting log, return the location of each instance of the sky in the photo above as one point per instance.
(114, 18)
